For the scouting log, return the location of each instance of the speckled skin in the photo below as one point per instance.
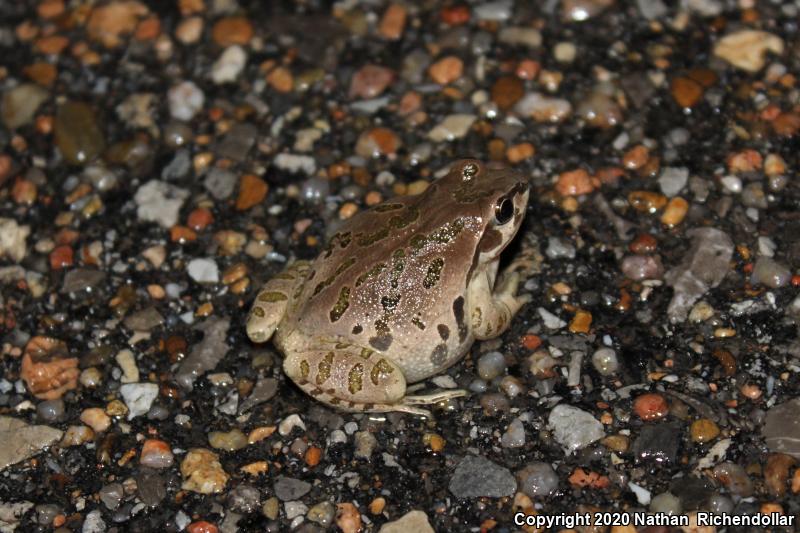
(400, 292)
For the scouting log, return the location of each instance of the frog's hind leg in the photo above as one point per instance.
(272, 301)
(352, 379)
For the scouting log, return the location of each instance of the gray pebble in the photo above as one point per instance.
(491, 365)
(287, 488)
(605, 361)
(50, 410)
(537, 479)
(244, 498)
(111, 495)
(770, 273)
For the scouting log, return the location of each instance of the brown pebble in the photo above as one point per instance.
(520, 152)
(650, 406)
(52, 44)
(686, 92)
(348, 518)
(446, 70)
(745, 161)
(252, 191)
(703, 430)
(48, 9)
(647, 201)
(199, 218)
(507, 91)
(725, 359)
(643, 244)
(61, 256)
(377, 142)
(281, 79)
(636, 157)
(47, 368)
(377, 505)
(776, 473)
(110, 22)
(42, 73)
(232, 30)
(370, 81)
(393, 22)
(674, 212)
(581, 322)
(24, 192)
(574, 183)
(786, 124)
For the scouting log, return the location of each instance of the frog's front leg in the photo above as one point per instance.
(492, 310)
(273, 300)
(352, 379)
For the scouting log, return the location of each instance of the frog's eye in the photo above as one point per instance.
(503, 211)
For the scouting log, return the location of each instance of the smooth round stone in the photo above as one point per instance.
(703, 430)
(666, 503)
(50, 411)
(177, 134)
(111, 495)
(538, 479)
(322, 513)
(77, 133)
(770, 273)
(719, 503)
(514, 437)
(494, 403)
(605, 361)
(46, 513)
(185, 100)
(565, 52)
(227, 440)
(641, 267)
(314, 190)
(491, 365)
(735, 478)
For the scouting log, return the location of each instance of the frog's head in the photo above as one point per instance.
(501, 196)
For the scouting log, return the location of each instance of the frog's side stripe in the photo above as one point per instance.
(355, 378)
(380, 369)
(439, 354)
(341, 268)
(434, 273)
(324, 368)
(341, 304)
(458, 312)
(272, 296)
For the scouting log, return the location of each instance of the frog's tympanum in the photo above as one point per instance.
(399, 293)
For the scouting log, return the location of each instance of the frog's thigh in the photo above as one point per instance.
(270, 304)
(492, 311)
(351, 378)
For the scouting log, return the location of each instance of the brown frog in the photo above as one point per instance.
(400, 292)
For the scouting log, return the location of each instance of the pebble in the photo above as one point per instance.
(294, 509)
(675, 212)
(365, 444)
(673, 180)
(288, 424)
(23, 440)
(781, 430)
(491, 365)
(520, 36)
(599, 110)
(446, 70)
(76, 435)
(565, 52)
(50, 410)
(685, 91)
(537, 480)
(702, 268)
(703, 430)
(245, 499)
(605, 361)
(229, 65)
(348, 518)
(189, 30)
(497, 11)
(160, 202)
(19, 104)
(47, 369)
(202, 472)
(542, 108)
(507, 91)
(574, 183)
(138, 397)
(295, 163)
(641, 267)
(393, 22)
(747, 49)
(514, 436)
(185, 100)
(322, 513)
(770, 273)
(94, 523)
(657, 443)
(229, 31)
(734, 478)
(12, 239)
(203, 270)
(96, 418)
(651, 406)
(416, 521)
(377, 142)
(665, 503)
(478, 477)
(370, 81)
(111, 495)
(252, 191)
(228, 441)
(78, 136)
(452, 127)
(580, 10)
(574, 428)
(109, 23)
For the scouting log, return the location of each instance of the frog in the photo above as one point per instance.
(399, 293)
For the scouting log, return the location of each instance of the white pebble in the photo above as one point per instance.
(203, 270)
(185, 100)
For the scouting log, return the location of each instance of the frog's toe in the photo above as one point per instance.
(433, 398)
